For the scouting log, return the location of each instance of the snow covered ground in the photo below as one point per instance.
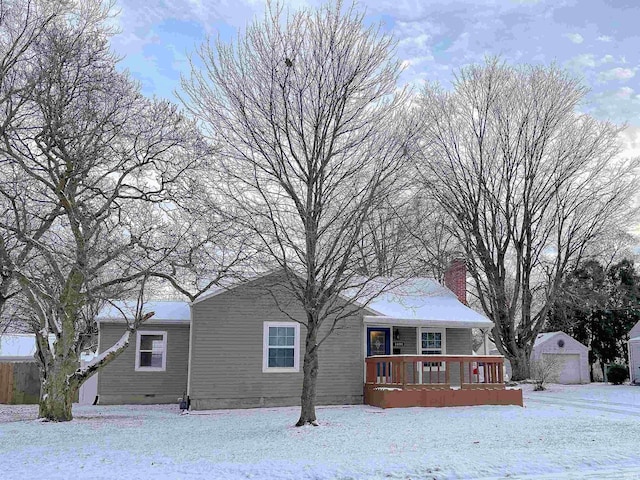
(578, 432)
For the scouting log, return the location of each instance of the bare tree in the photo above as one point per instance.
(529, 184)
(544, 370)
(95, 168)
(312, 139)
(22, 23)
(410, 236)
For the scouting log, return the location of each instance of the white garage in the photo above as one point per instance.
(634, 354)
(570, 357)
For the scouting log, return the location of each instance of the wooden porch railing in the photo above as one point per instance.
(435, 372)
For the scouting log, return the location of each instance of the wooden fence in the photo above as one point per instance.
(19, 382)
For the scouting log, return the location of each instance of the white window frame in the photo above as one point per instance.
(265, 348)
(164, 351)
(443, 332)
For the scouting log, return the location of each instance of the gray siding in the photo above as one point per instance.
(408, 336)
(118, 382)
(227, 352)
(459, 342)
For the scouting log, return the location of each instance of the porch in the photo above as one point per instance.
(437, 381)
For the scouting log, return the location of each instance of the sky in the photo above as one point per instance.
(596, 40)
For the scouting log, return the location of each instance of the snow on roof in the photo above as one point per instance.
(421, 301)
(17, 345)
(543, 337)
(165, 311)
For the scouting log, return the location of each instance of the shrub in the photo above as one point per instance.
(617, 373)
(543, 370)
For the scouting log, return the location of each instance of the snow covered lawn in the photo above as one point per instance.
(589, 431)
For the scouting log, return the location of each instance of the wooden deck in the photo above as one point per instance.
(437, 381)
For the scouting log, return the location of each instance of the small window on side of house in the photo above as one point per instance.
(151, 351)
(281, 347)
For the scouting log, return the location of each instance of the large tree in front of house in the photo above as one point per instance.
(313, 136)
(89, 167)
(530, 185)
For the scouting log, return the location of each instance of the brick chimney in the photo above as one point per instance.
(455, 279)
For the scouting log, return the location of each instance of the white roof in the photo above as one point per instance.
(17, 345)
(543, 337)
(423, 302)
(165, 311)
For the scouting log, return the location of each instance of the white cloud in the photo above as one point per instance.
(581, 62)
(625, 92)
(605, 38)
(618, 73)
(607, 59)
(574, 37)
(620, 105)
(418, 60)
(419, 41)
(630, 140)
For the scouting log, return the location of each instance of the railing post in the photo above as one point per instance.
(461, 373)
(371, 371)
(447, 375)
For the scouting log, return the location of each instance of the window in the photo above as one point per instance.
(281, 347)
(432, 343)
(151, 352)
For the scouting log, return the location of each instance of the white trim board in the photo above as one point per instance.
(190, 353)
(417, 323)
(151, 321)
(265, 348)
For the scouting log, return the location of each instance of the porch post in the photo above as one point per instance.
(418, 365)
(485, 339)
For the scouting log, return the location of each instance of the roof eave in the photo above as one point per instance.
(426, 322)
(151, 321)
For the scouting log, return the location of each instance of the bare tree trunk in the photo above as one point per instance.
(61, 377)
(310, 370)
(521, 364)
(57, 391)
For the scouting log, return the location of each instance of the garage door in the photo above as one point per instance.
(568, 367)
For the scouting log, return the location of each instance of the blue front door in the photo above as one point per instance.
(378, 341)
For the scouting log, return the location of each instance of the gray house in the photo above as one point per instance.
(154, 368)
(242, 346)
